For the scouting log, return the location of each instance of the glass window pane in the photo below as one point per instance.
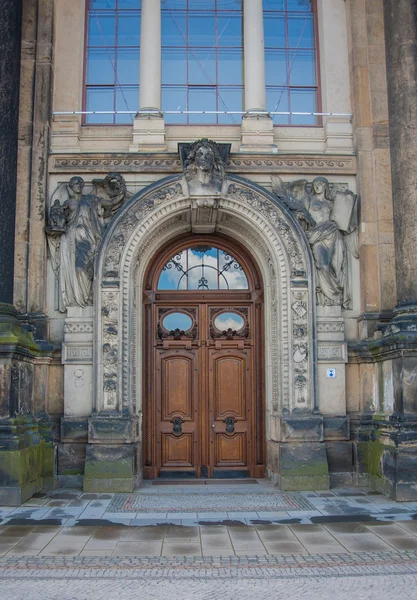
(230, 67)
(202, 67)
(202, 99)
(229, 30)
(174, 66)
(172, 275)
(300, 31)
(201, 5)
(230, 99)
(229, 320)
(277, 101)
(174, 98)
(130, 4)
(230, 5)
(128, 31)
(300, 5)
(177, 320)
(101, 29)
(100, 66)
(303, 68)
(100, 99)
(102, 4)
(174, 4)
(201, 30)
(127, 66)
(274, 26)
(274, 4)
(127, 98)
(303, 101)
(174, 29)
(276, 67)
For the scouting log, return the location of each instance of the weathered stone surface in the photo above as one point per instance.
(10, 39)
(71, 459)
(74, 430)
(302, 428)
(336, 428)
(109, 468)
(340, 457)
(400, 20)
(111, 429)
(303, 467)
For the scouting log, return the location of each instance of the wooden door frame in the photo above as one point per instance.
(152, 297)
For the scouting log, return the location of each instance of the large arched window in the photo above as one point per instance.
(202, 60)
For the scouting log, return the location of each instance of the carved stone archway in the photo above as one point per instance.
(255, 218)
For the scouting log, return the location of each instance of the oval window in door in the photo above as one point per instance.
(177, 320)
(229, 320)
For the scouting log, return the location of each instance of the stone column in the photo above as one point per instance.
(257, 130)
(21, 454)
(149, 129)
(401, 54)
(10, 39)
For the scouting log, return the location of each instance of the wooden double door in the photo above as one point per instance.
(203, 411)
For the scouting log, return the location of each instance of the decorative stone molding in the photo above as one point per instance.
(330, 326)
(81, 327)
(332, 352)
(247, 213)
(77, 353)
(171, 163)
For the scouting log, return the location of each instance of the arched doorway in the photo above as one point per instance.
(203, 378)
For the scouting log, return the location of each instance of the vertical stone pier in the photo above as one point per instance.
(23, 456)
(387, 442)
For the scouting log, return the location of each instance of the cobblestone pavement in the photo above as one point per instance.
(209, 584)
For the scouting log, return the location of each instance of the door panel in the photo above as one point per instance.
(176, 393)
(229, 401)
(228, 385)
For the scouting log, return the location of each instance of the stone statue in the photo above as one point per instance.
(204, 167)
(329, 218)
(73, 247)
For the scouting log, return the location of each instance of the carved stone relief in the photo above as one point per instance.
(74, 231)
(153, 217)
(329, 218)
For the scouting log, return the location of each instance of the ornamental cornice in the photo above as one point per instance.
(169, 163)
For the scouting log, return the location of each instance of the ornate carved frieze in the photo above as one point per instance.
(171, 163)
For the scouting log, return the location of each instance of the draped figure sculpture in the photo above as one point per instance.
(73, 244)
(329, 218)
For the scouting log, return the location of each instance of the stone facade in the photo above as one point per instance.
(316, 208)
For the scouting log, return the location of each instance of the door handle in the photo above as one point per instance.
(213, 426)
(230, 424)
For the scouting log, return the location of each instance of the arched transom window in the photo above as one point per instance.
(202, 268)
